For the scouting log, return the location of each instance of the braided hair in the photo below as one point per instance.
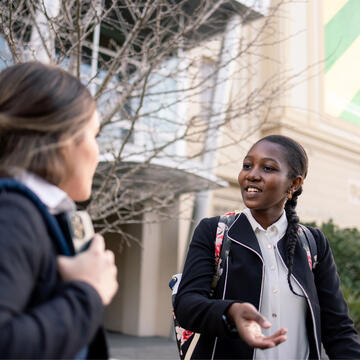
(297, 161)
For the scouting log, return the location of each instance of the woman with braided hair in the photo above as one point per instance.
(269, 280)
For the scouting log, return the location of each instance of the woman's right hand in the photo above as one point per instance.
(96, 266)
(249, 322)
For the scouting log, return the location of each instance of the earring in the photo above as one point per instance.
(290, 194)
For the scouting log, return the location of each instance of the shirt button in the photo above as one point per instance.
(274, 290)
(269, 246)
(273, 315)
(272, 267)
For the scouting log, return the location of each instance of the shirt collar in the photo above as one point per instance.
(280, 225)
(55, 199)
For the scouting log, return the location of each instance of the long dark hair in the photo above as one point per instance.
(297, 162)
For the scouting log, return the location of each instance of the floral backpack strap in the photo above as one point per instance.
(309, 244)
(222, 246)
(187, 340)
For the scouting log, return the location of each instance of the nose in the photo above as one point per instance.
(253, 174)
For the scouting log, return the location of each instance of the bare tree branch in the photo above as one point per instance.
(165, 78)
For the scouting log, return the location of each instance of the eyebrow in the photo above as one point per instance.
(266, 158)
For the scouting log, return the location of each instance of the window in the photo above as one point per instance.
(5, 57)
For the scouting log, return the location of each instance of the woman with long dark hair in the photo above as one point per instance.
(269, 278)
(51, 299)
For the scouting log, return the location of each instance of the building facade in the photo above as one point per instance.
(318, 107)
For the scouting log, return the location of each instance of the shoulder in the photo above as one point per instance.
(321, 241)
(208, 224)
(205, 231)
(15, 202)
(20, 216)
(317, 233)
(24, 239)
(16, 198)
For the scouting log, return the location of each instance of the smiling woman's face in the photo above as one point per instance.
(264, 178)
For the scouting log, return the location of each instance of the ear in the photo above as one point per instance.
(297, 182)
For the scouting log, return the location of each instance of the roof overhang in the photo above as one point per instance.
(160, 177)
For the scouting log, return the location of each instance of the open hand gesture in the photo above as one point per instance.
(249, 322)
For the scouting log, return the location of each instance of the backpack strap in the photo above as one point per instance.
(309, 244)
(222, 250)
(187, 340)
(222, 246)
(52, 225)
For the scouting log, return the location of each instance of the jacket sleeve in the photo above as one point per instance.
(339, 336)
(194, 309)
(68, 314)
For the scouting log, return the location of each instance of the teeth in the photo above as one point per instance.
(251, 189)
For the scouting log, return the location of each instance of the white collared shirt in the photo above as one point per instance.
(55, 199)
(278, 304)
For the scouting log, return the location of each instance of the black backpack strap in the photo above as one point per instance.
(50, 220)
(308, 241)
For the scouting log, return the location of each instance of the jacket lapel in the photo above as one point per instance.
(242, 233)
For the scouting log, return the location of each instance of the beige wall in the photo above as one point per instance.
(332, 188)
(142, 305)
(123, 312)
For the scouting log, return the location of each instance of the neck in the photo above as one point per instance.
(266, 218)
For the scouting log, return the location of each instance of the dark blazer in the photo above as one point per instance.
(327, 313)
(40, 315)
